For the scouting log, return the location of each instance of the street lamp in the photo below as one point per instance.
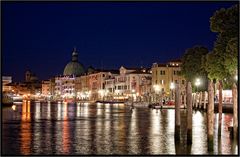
(197, 83)
(172, 86)
(236, 77)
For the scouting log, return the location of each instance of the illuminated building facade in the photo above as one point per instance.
(65, 86)
(46, 87)
(5, 81)
(165, 75)
(129, 82)
(97, 83)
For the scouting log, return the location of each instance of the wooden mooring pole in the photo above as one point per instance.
(235, 111)
(177, 113)
(210, 115)
(220, 109)
(189, 113)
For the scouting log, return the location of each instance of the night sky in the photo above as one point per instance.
(40, 36)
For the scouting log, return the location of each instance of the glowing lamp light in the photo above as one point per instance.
(236, 77)
(172, 86)
(197, 83)
(156, 87)
(13, 107)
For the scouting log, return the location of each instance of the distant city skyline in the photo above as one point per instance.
(41, 36)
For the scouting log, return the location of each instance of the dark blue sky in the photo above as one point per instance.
(41, 35)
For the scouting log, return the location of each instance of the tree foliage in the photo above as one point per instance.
(222, 63)
(193, 64)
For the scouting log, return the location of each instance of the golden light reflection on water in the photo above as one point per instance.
(65, 134)
(155, 132)
(26, 135)
(99, 109)
(112, 129)
(225, 141)
(78, 109)
(168, 125)
(85, 109)
(170, 120)
(121, 133)
(199, 136)
(37, 112)
(49, 110)
(59, 111)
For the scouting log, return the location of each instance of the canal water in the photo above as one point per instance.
(71, 129)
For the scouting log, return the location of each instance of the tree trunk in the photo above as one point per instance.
(177, 113)
(210, 115)
(189, 113)
(235, 111)
(220, 108)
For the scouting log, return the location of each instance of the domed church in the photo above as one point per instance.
(74, 67)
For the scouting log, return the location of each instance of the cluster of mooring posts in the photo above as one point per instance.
(204, 101)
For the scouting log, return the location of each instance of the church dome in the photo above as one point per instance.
(74, 67)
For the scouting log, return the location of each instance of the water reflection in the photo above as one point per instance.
(155, 132)
(106, 129)
(65, 130)
(199, 133)
(25, 133)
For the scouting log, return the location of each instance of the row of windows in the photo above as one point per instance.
(121, 87)
(164, 82)
(65, 87)
(175, 72)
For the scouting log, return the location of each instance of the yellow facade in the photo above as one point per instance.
(165, 74)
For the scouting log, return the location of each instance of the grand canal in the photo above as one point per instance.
(34, 128)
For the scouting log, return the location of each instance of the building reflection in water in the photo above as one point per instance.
(26, 134)
(58, 130)
(170, 126)
(99, 109)
(37, 111)
(97, 129)
(121, 131)
(59, 111)
(133, 133)
(106, 129)
(167, 121)
(49, 110)
(155, 138)
(78, 109)
(65, 131)
(225, 139)
(82, 131)
(199, 133)
(37, 134)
